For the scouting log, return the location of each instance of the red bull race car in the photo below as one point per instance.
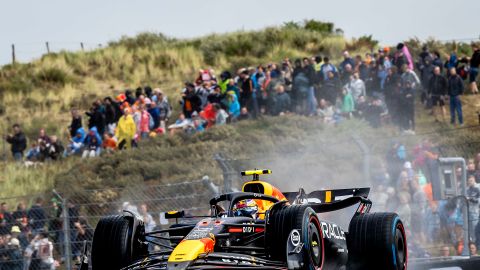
(258, 228)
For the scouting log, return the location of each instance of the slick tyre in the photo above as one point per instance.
(112, 246)
(282, 220)
(377, 241)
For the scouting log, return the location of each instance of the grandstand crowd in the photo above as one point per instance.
(381, 87)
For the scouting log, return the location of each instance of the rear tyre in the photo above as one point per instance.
(282, 219)
(115, 243)
(377, 241)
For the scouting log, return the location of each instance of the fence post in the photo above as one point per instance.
(226, 170)
(81, 46)
(13, 54)
(48, 47)
(66, 231)
(67, 241)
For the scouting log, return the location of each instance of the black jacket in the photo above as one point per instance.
(75, 125)
(18, 142)
(475, 61)
(437, 85)
(455, 86)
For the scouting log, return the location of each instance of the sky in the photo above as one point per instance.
(65, 23)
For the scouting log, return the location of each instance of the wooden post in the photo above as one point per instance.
(13, 53)
(48, 47)
(81, 46)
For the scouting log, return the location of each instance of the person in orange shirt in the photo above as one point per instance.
(109, 143)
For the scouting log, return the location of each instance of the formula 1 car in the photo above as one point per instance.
(258, 228)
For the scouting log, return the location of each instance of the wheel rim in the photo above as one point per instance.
(401, 247)
(315, 243)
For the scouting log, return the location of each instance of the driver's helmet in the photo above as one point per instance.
(245, 208)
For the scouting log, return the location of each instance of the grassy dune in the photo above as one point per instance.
(41, 93)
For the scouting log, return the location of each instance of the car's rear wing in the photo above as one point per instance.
(332, 200)
(327, 196)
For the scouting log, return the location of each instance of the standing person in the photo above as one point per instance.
(473, 196)
(437, 90)
(126, 130)
(408, 102)
(474, 67)
(6, 219)
(455, 89)
(164, 109)
(110, 114)
(37, 216)
(246, 92)
(97, 118)
(76, 122)
(191, 101)
(356, 87)
(18, 142)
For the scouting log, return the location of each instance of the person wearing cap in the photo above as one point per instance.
(126, 130)
(14, 258)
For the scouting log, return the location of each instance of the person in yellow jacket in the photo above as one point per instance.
(126, 130)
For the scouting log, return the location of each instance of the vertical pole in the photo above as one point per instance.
(81, 46)
(48, 47)
(66, 231)
(13, 54)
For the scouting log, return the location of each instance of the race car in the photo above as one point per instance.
(258, 228)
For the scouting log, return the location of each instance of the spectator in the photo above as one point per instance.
(437, 90)
(109, 144)
(43, 138)
(445, 251)
(76, 143)
(244, 114)
(473, 195)
(474, 67)
(20, 215)
(181, 124)
(111, 111)
(165, 110)
(409, 76)
(404, 210)
(221, 115)
(84, 233)
(408, 103)
(233, 105)
(55, 149)
(126, 130)
(347, 60)
(282, 101)
(455, 89)
(37, 216)
(145, 122)
(356, 87)
(18, 142)
(473, 249)
(347, 103)
(93, 144)
(41, 253)
(191, 101)
(329, 67)
(326, 111)
(6, 219)
(76, 122)
(330, 88)
(246, 92)
(96, 118)
(14, 256)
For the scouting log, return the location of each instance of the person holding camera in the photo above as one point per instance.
(18, 142)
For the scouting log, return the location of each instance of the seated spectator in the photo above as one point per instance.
(13, 256)
(76, 143)
(473, 249)
(55, 148)
(233, 105)
(93, 144)
(109, 144)
(221, 115)
(326, 111)
(181, 123)
(244, 114)
(33, 153)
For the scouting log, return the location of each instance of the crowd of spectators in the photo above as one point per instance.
(404, 185)
(32, 238)
(380, 87)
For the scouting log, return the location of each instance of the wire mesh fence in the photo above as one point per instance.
(48, 231)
